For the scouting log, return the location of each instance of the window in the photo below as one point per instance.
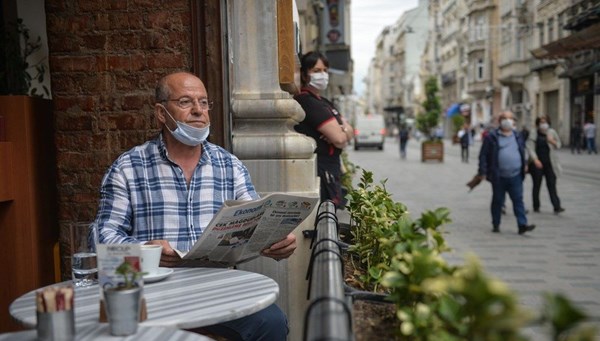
(480, 27)
(540, 27)
(561, 22)
(519, 49)
(479, 69)
(550, 30)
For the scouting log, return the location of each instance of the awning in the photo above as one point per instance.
(581, 70)
(453, 110)
(586, 39)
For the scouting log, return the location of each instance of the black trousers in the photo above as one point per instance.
(464, 153)
(537, 176)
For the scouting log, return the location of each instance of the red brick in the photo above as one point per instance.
(122, 122)
(118, 63)
(94, 42)
(163, 20)
(85, 103)
(138, 62)
(115, 4)
(56, 44)
(90, 5)
(71, 122)
(73, 63)
(153, 40)
(124, 41)
(167, 60)
(102, 22)
(130, 140)
(142, 4)
(106, 103)
(135, 102)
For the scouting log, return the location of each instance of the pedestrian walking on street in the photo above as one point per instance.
(576, 136)
(589, 130)
(541, 147)
(466, 140)
(502, 163)
(404, 136)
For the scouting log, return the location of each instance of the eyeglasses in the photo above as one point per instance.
(187, 103)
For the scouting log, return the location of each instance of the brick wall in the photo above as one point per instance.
(105, 59)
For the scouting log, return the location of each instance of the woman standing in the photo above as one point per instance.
(323, 123)
(543, 161)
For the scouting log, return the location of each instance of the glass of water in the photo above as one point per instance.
(84, 237)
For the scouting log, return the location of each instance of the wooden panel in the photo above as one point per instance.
(289, 66)
(6, 157)
(207, 60)
(28, 223)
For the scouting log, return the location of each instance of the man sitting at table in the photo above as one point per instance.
(167, 190)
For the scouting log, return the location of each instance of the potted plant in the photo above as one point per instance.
(18, 72)
(427, 122)
(122, 301)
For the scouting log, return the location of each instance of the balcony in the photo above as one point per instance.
(478, 88)
(476, 45)
(514, 72)
(536, 65)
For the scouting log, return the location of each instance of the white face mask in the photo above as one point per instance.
(187, 134)
(319, 80)
(507, 124)
(544, 126)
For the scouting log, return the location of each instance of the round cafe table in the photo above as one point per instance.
(101, 332)
(188, 298)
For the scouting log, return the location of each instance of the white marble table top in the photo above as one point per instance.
(101, 332)
(189, 298)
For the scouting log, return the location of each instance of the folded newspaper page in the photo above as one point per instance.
(242, 228)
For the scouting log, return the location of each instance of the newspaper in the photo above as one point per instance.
(242, 228)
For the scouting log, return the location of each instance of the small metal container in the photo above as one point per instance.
(56, 326)
(123, 310)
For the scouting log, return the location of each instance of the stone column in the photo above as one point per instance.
(278, 158)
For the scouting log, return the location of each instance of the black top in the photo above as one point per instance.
(542, 149)
(319, 111)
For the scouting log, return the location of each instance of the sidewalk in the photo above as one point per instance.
(561, 255)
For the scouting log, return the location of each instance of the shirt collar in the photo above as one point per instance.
(205, 157)
(310, 91)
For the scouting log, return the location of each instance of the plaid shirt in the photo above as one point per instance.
(144, 195)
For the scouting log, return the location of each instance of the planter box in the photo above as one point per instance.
(432, 151)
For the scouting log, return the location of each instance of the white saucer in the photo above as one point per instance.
(161, 274)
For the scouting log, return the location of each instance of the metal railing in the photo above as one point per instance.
(329, 315)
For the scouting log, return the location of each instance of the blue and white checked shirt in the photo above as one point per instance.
(144, 195)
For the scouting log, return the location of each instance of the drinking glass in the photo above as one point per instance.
(84, 237)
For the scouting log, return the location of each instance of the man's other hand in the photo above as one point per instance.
(169, 257)
(282, 249)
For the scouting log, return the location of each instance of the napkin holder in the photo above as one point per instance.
(56, 326)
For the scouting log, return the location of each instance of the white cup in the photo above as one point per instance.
(150, 258)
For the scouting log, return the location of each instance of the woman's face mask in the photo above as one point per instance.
(319, 80)
(544, 126)
(187, 134)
